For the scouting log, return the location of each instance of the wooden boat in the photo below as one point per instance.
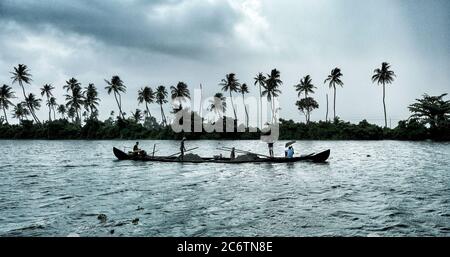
(316, 158)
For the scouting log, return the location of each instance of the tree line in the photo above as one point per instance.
(81, 103)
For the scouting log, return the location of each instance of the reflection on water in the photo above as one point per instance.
(58, 188)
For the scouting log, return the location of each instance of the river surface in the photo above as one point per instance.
(367, 188)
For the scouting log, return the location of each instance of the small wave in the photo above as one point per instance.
(66, 197)
(395, 226)
(28, 228)
(80, 166)
(279, 199)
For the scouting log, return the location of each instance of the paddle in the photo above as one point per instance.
(243, 151)
(184, 151)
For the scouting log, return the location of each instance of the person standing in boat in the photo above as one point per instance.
(182, 148)
(233, 154)
(270, 145)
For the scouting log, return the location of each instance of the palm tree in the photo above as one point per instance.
(71, 84)
(260, 80)
(91, 100)
(180, 92)
(62, 110)
(384, 76)
(305, 86)
(147, 96)
(218, 105)
(6, 94)
(230, 84)
(75, 101)
(243, 89)
(161, 95)
(20, 112)
(334, 79)
(47, 91)
(33, 103)
(51, 103)
(116, 86)
(137, 115)
(272, 83)
(21, 74)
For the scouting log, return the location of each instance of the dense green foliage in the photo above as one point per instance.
(130, 129)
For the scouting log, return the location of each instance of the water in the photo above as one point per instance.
(58, 188)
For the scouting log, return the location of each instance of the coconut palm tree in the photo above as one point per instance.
(33, 103)
(51, 103)
(47, 91)
(71, 84)
(230, 84)
(147, 96)
(137, 115)
(91, 100)
(271, 90)
(116, 86)
(21, 74)
(180, 92)
(260, 80)
(218, 105)
(384, 76)
(161, 95)
(334, 79)
(75, 101)
(305, 86)
(20, 112)
(243, 89)
(6, 94)
(62, 110)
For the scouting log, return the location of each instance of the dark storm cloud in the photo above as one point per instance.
(186, 28)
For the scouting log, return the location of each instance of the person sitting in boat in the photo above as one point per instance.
(137, 150)
(182, 148)
(290, 152)
(233, 154)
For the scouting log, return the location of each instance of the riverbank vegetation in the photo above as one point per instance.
(77, 116)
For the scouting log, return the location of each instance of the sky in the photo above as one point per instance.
(151, 43)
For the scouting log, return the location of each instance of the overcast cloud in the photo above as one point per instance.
(199, 41)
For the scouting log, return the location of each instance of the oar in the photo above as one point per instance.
(184, 151)
(243, 151)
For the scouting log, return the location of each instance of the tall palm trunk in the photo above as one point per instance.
(28, 104)
(384, 106)
(54, 113)
(307, 110)
(260, 107)
(148, 111)
(326, 116)
(49, 110)
(334, 104)
(245, 108)
(6, 117)
(273, 110)
(118, 105)
(163, 116)
(232, 104)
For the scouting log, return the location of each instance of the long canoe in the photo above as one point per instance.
(317, 158)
